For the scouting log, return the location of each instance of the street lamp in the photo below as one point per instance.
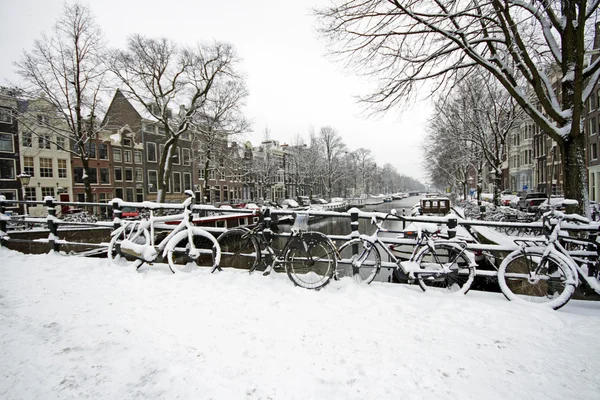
(24, 178)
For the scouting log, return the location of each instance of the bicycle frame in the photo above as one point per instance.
(140, 252)
(410, 267)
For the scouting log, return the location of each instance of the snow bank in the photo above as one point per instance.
(79, 328)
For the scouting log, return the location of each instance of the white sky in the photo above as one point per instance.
(293, 85)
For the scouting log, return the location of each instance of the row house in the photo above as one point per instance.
(592, 126)
(226, 179)
(520, 156)
(44, 155)
(10, 165)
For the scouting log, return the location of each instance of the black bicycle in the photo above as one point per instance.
(309, 257)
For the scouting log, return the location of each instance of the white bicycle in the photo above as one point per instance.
(186, 247)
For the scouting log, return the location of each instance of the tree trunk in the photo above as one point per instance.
(574, 172)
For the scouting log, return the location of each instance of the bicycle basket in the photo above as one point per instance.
(301, 222)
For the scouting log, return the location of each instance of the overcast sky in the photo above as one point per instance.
(293, 85)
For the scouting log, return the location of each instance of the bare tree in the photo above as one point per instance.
(538, 50)
(219, 118)
(333, 151)
(162, 76)
(482, 114)
(365, 165)
(65, 75)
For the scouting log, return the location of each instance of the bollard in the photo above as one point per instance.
(481, 212)
(52, 225)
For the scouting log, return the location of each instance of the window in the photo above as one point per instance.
(30, 194)
(102, 151)
(187, 181)
(93, 175)
(151, 152)
(129, 175)
(177, 156)
(119, 193)
(78, 172)
(91, 150)
(44, 140)
(43, 120)
(127, 156)
(62, 168)
(7, 169)
(6, 143)
(139, 195)
(594, 151)
(593, 126)
(5, 116)
(187, 159)
(117, 155)
(47, 191)
(147, 127)
(177, 182)
(161, 130)
(9, 195)
(27, 139)
(28, 166)
(46, 167)
(118, 174)
(592, 103)
(137, 156)
(201, 173)
(129, 192)
(152, 181)
(139, 175)
(104, 176)
(61, 143)
(127, 142)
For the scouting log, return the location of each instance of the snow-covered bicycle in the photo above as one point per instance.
(435, 263)
(186, 247)
(546, 271)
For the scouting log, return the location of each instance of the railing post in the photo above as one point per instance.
(52, 225)
(354, 222)
(3, 222)
(452, 224)
(117, 212)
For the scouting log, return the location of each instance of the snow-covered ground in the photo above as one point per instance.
(74, 328)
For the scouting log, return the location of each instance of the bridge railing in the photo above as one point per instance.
(54, 236)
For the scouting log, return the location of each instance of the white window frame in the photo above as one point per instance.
(118, 158)
(132, 174)
(9, 113)
(154, 189)
(148, 152)
(120, 169)
(12, 141)
(127, 154)
(188, 157)
(187, 177)
(15, 194)
(178, 175)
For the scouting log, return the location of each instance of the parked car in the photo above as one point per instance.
(531, 201)
(130, 212)
(509, 200)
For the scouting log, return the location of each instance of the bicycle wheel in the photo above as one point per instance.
(181, 258)
(363, 253)
(310, 260)
(525, 275)
(115, 256)
(445, 256)
(239, 249)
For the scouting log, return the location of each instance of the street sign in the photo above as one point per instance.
(524, 187)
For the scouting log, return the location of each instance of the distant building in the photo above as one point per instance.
(10, 165)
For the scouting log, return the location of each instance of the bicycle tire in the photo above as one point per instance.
(553, 287)
(239, 249)
(114, 254)
(368, 256)
(299, 260)
(178, 251)
(445, 255)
